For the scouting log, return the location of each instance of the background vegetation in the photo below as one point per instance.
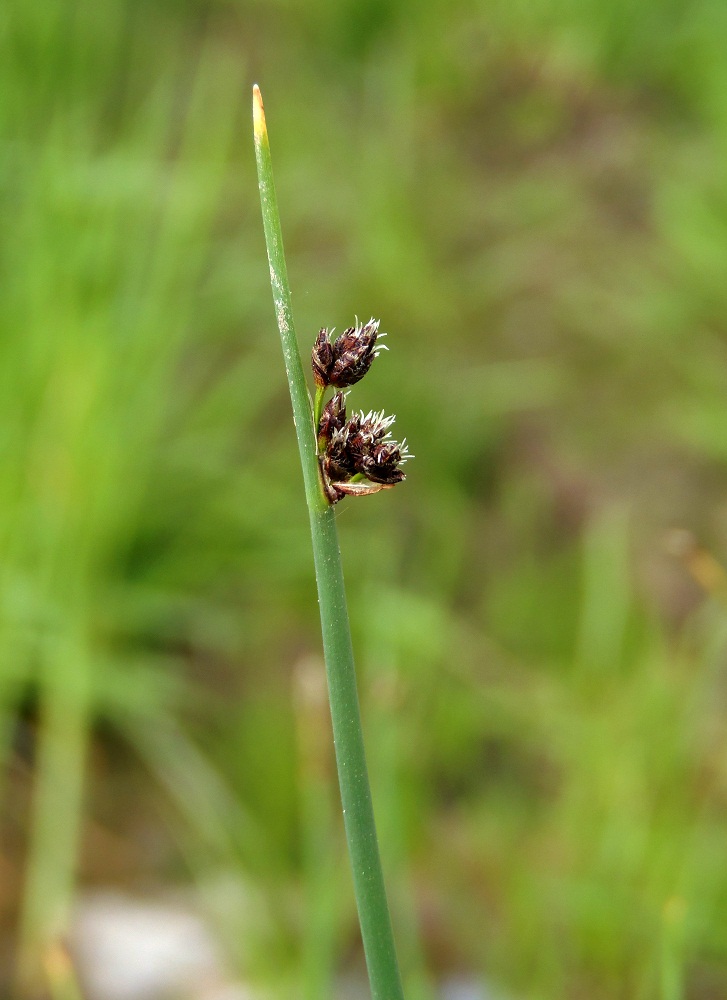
(531, 197)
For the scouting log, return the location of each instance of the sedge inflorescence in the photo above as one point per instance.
(358, 454)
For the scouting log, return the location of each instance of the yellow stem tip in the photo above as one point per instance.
(258, 113)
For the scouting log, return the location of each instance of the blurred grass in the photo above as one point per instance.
(532, 198)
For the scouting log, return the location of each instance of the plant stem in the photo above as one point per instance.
(57, 806)
(358, 815)
(318, 406)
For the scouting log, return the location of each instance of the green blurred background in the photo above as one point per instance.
(531, 196)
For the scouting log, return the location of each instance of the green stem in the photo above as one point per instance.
(57, 808)
(358, 814)
(318, 406)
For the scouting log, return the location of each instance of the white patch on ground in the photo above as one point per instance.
(134, 949)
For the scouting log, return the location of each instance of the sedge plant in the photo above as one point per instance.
(339, 457)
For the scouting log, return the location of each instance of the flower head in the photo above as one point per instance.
(322, 358)
(381, 464)
(361, 449)
(346, 360)
(358, 455)
(333, 418)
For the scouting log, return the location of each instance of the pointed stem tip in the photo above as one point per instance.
(258, 113)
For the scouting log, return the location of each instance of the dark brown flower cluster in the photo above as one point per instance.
(346, 360)
(357, 455)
